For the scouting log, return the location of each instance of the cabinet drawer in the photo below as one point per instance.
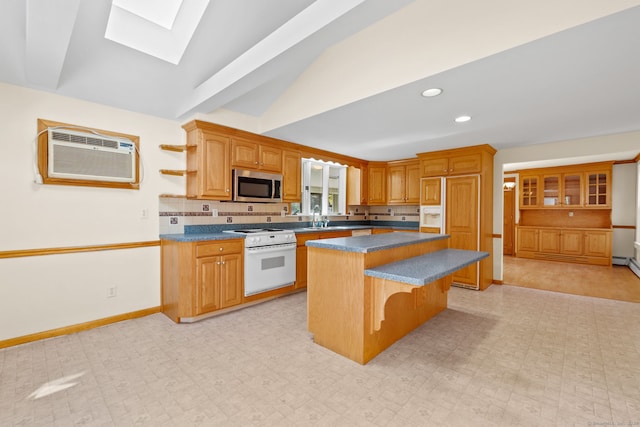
(221, 247)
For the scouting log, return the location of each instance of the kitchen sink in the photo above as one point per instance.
(336, 227)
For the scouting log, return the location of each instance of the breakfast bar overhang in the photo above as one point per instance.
(366, 292)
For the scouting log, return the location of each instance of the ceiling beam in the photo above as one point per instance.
(312, 19)
(49, 27)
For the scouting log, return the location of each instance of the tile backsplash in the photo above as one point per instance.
(176, 212)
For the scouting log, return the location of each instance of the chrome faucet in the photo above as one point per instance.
(314, 222)
(325, 223)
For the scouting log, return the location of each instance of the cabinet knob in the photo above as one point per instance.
(221, 249)
(227, 190)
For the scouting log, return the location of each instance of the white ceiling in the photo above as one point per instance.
(346, 75)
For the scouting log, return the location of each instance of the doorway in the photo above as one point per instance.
(509, 216)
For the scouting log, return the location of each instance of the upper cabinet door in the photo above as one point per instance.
(270, 159)
(397, 184)
(466, 164)
(212, 179)
(430, 192)
(529, 191)
(244, 154)
(572, 189)
(251, 155)
(291, 187)
(598, 189)
(413, 183)
(551, 190)
(435, 166)
(377, 190)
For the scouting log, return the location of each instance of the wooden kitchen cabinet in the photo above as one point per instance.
(529, 193)
(597, 243)
(527, 239)
(208, 167)
(403, 183)
(549, 241)
(377, 184)
(583, 186)
(301, 258)
(468, 196)
(357, 190)
(291, 176)
(571, 242)
(430, 191)
(452, 164)
(200, 277)
(251, 155)
(562, 190)
(597, 191)
(219, 275)
(462, 221)
(585, 246)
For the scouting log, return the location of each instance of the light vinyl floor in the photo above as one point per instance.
(508, 356)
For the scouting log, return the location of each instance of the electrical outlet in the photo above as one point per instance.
(112, 291)
(144, 214)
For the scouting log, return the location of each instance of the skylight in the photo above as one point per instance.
(160, 28)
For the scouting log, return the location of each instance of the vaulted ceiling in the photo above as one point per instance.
(347, 75)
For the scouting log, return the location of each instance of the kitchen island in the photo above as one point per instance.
(366, 292)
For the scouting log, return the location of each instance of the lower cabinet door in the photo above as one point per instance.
(549, 241)
(597, 243)
(571, 242)
(528, 239)
(231, 273)
(208, 284)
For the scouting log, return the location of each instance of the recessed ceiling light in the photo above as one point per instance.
(434, 91)
(462, 119)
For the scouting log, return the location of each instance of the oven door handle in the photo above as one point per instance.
(268, 249)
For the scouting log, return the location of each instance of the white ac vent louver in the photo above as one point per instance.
(90, 157)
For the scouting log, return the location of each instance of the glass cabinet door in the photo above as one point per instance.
(529, 193)
(551, 189)
(597, 189)
(571, 189)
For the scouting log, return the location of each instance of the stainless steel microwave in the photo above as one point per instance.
(252, 186)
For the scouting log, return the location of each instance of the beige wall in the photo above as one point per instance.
(624, 209)
(48, 292)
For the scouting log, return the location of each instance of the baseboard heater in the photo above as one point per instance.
(620, 260)
(634, 266)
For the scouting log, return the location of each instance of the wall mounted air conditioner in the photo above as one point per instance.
(88, 156)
